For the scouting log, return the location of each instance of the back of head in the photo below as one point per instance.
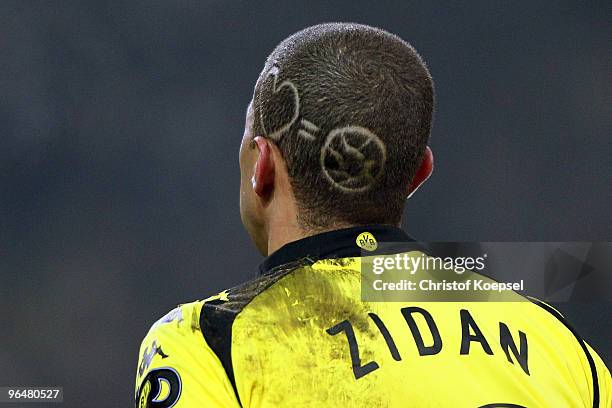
(350, 108)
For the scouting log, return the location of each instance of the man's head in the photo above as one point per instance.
(337, 131)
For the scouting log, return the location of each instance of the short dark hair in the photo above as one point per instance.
(350, 107)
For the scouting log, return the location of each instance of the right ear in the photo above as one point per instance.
(263, 175)
(423, 172)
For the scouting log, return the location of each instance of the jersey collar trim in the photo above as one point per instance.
(333, 244)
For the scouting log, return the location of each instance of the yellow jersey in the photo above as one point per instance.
(299, 335)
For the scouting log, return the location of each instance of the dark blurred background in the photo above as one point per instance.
(119, 131)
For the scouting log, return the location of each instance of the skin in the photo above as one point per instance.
(267, 204)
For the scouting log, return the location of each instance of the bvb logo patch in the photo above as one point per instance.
(366, 241)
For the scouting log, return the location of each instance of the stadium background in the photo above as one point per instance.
(119, 132)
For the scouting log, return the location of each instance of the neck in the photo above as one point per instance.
(283, 232)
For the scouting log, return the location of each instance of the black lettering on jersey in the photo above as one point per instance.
(387, 336)
(507, 344)
(470, 332)
(358, 369)
(150, 391)
(468, 325)
(418, 339)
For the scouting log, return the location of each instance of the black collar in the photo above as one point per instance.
(333, 244)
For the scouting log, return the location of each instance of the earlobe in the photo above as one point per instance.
(263, 175)
(423, 172)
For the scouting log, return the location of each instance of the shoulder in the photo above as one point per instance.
(178, 326)
(585, 364)
(177, 366)
(168, 340)
(188, 351)
(181, 319)
(218, 314)
(203, 321)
